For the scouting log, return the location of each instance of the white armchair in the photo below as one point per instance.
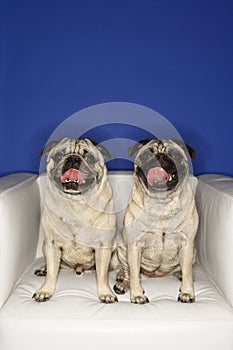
(75, 319)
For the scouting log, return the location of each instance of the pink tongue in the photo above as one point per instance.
(157, 174)
(72, 175)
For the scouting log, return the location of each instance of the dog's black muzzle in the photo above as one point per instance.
(76, 176)
(159, 172)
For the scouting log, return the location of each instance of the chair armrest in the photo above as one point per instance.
(19, 222)
(214, 198)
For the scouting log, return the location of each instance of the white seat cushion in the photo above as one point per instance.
(74, 316)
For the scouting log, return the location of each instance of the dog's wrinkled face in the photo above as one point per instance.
(160, 165)
(75, 165)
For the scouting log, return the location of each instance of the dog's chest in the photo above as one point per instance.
(161, 249)
(74, 254)
(78, 222)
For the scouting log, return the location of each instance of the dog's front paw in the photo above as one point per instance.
(186, 298)
(121, 287)
(108, 298)
(42, 271)
(41, 295)
(139, 299)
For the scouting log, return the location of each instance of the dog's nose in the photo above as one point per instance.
(73, 160)
(161, 157)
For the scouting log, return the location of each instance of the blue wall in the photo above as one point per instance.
(58, 57)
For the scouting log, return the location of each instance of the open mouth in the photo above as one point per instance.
(74, 181)
(158, 175)
(160, 179)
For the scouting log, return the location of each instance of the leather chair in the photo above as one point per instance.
(75, 319)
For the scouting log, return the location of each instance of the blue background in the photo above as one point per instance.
(58, 57)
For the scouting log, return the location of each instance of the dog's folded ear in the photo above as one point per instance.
(132, 150)
(49, 147)
(103, 150)
(192, 151)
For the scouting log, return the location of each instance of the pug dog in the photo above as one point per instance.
(160, 221)
(78, 216)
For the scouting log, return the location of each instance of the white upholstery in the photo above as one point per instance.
(75, 319)
(215, 241)
(19, 220)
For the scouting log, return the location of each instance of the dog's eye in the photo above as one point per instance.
(175, 155)
(90, 158)
(148, 154)
(58, 156)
